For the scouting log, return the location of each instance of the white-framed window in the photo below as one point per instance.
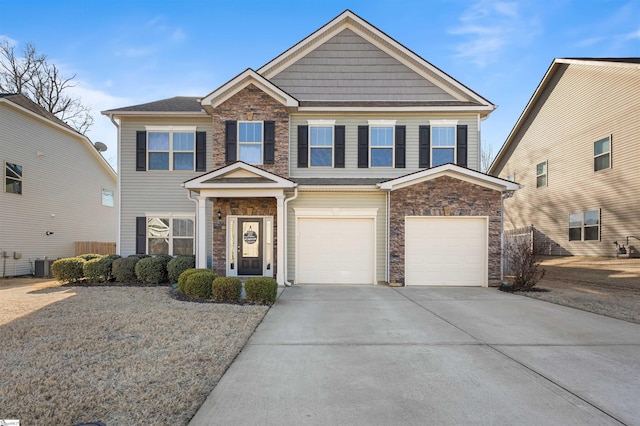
(107, 197)
(541, 174)
(443, 141)
(172, 235)
(584, 226)
(171, 148)
(602, 154)
(250, 141)
(321, 143)
(381, 136)
(12, 178)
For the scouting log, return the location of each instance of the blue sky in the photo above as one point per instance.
(130, 52)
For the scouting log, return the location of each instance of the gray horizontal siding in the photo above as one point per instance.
(587, 104)
(351, 123)
(154, 191)
(352, 200)
(62, 193)
(348, 67)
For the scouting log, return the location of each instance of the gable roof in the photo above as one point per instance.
(30, 108)
(243, 80)
(348, 20)
(238, 175)
(452, 170)
(546, 79)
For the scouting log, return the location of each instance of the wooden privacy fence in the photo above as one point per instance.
(513, 238)
(97, 247)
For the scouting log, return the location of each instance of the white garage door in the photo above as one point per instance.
(335, 251)
(446, 251)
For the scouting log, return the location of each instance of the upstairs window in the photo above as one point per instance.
(250, 142)
(107, 197)
(320, 146)
(602, 154)
(541, 174)
(443, 145)
(381, 146)
(172, 149)
(12, 178)
(584, 226)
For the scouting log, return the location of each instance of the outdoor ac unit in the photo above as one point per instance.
(43, 267)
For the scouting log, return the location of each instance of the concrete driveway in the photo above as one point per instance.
(385, 356)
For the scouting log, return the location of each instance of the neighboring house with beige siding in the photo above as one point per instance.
(575, 149)
(57, 188)
(348, 159)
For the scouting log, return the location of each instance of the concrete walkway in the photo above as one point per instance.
(413, 356)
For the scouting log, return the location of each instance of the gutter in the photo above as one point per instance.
(287, 283)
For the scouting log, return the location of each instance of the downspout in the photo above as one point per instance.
(196, 202)
(388, 274)
(118, 185)
(505, 195)
(286, 239)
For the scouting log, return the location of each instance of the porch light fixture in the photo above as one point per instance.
(219, 215)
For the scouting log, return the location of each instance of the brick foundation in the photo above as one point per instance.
(444, 196)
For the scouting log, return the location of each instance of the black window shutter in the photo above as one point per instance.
(338, 153)
(141, 235)
(201, 151)
(424, 146)
(363, 146)
(230, 139)
(461, 145)
(401, 147)
(303, 146)
(141, 150)
(269, 141)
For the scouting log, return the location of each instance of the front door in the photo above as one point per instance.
(250, 246)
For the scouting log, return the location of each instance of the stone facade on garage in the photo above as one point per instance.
(239, 207)
(252, 104)
(443, 196)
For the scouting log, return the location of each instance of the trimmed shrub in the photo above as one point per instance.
(69, 269)
(152, 270)
(98, 270)
(178, 265)
(261, 290)
(185, 274)
(124, 269)
(226, 289)
(89, 256)
(198, 284)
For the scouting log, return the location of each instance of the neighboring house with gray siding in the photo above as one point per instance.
(348, 159)
(57, 188)
(575, 149)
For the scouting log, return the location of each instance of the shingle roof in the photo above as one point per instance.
(27, 103)
(175, 104)
(336, 181)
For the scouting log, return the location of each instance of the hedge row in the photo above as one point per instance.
(204, 284)
(94, 268)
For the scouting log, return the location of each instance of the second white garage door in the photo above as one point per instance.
(335, 251)
(446, 251)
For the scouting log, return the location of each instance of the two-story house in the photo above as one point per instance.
(57, 189)
(573, 149)
(348, 159)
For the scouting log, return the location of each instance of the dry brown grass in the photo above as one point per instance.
(123, 356)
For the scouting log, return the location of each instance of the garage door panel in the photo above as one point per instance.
(335, 251)
(445, 251)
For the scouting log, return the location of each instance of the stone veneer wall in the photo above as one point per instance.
(252, 100)
(444, 196)
(239, 207)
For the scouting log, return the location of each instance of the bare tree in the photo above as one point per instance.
(486, 157)
(34, 77)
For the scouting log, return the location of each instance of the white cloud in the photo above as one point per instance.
(489, 27)
(133, 52)
(633, 35)
(178, 35)
(9, 40)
